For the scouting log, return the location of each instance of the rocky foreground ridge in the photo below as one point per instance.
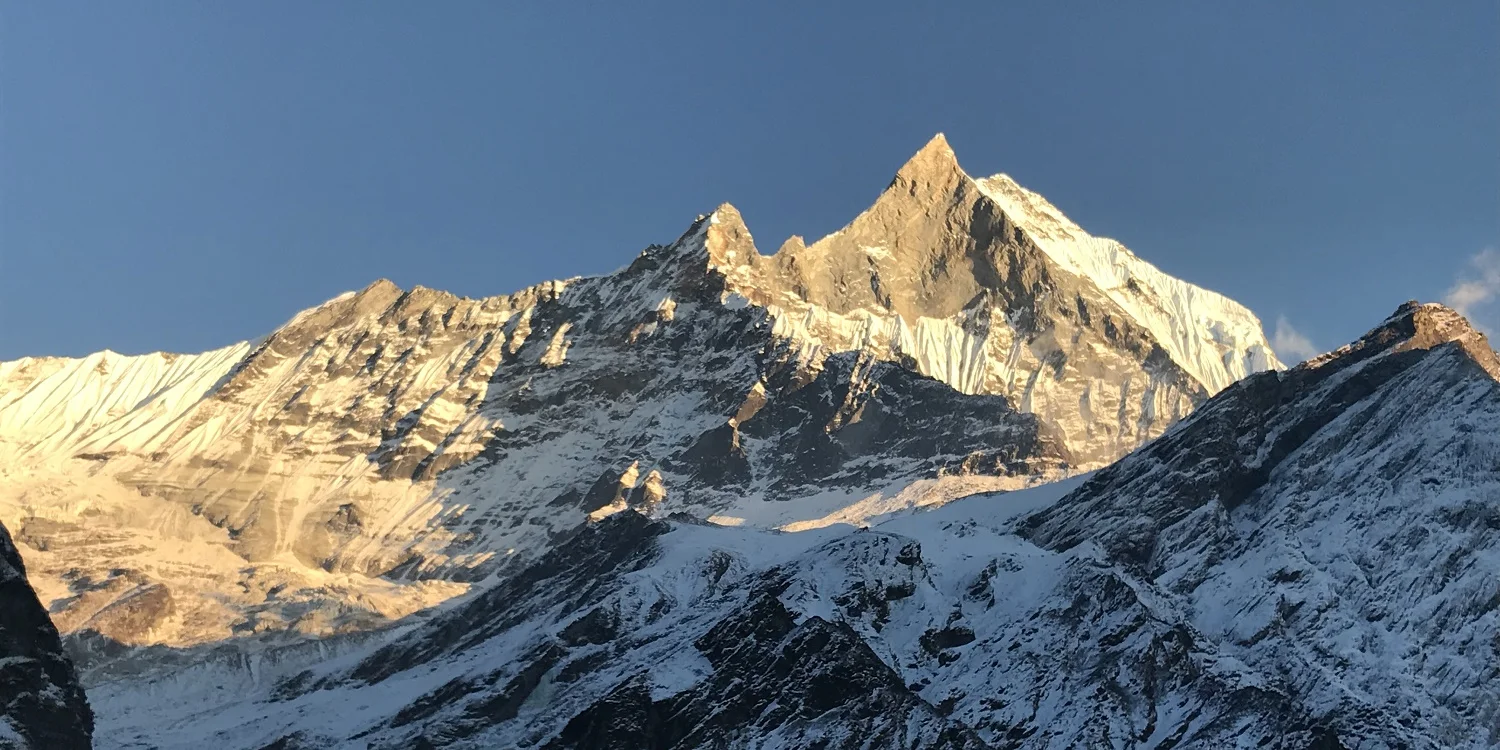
(42, 704)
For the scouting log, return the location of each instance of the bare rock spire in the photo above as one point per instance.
(931, 171)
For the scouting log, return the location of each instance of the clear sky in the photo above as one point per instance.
(184, 175)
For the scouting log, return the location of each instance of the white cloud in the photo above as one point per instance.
(1477, 285)
(1290, 345)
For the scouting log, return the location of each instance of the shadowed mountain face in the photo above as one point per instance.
(376, 453)
(42, 706)
(1311, 560)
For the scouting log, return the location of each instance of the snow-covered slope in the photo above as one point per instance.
(1213, 337)
(105, 401)
(1311, 560)
(382, 451)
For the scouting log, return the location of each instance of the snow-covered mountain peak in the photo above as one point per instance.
(926, 249)
(937, 244)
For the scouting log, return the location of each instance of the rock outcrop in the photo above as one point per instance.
(42, 706)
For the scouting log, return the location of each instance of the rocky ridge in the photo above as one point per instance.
(42, 705)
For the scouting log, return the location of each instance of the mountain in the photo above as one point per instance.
(42, 705)
(380, 453)
(1311, 560)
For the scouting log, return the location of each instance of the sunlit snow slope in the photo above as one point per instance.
(1213, 337)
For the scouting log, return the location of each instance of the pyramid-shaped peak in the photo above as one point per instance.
(1420, 325)
(381, 286)
(1428, 324)
(938, 143)
(378, 295)
(1434, 324)
(934, 160)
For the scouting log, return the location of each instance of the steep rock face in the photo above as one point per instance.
(373, 455)
(42, 705)
(1308, 561)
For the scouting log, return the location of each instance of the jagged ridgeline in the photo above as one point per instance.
(368, 458)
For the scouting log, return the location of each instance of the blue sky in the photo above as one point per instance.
(184, 175)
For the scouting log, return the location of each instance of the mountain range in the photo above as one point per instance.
(957, 475)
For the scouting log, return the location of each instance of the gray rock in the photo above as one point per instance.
(42, 706)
